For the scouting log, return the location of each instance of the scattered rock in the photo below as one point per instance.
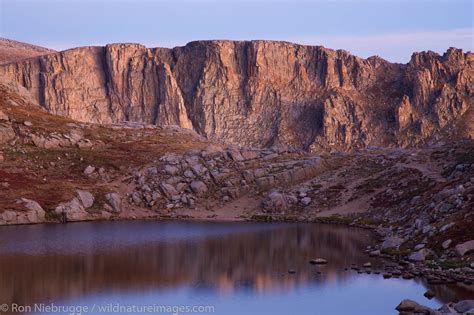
(28, 123)
(275, 202)
(446, 244)
(306, 201)
(168, 190)
(89, 170)
(419, 255)
(406, 306)
(392, 242)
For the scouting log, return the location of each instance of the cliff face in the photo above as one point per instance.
(260, 92)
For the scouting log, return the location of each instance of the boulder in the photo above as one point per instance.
(31, 205)
(465, 306)
(198, 187)
(198, 169)
(113, 199)
(235, 155)
(406, 306)
(464, 248)
(419, 255)
(168, 190)
(8, 216)
(171, 170)
(250, 155)
(392, 241)
(446, 244)
(212, 151)
(72, 210)
(85, 197)
(89, 170)
(275, 202)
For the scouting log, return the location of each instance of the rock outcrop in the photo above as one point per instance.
(259, 93)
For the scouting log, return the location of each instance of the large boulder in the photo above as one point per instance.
(275, 202)
(35, 213)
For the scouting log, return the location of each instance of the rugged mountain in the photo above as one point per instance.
(13, 51)
(259, 93)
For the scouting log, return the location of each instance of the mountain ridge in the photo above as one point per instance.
(258, 93)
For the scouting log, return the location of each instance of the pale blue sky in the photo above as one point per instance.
(391, 29)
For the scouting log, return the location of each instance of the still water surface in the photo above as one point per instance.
(236, 268)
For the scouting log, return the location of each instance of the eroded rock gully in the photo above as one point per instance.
(259, 93)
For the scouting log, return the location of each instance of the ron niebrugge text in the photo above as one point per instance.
(106, 308)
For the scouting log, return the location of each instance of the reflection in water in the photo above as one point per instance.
(74, 261)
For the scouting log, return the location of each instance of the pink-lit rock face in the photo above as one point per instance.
(258, 93)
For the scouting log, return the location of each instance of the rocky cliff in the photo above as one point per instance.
(259, 93)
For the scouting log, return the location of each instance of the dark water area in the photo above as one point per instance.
(232, 268)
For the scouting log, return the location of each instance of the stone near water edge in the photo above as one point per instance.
(419, 255)
(406, 305)
(374, 253)
(31, 205)
(464, 248)
(429, 294)
(392, 241)
(71, 211)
